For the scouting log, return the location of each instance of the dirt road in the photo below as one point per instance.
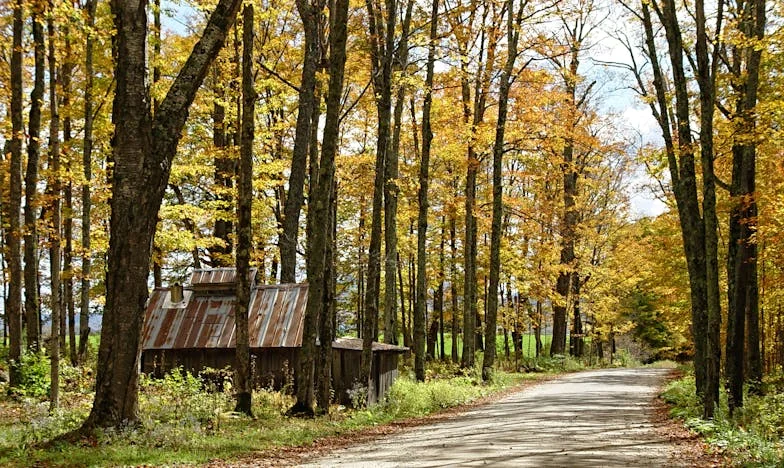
(595, 418)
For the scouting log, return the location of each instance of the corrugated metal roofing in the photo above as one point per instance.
(275, 318)
(217, 277)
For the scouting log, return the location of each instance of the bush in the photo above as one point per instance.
(410, 398)
(34, 378)
(752, 436)
(180, 398)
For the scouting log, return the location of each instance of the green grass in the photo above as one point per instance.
(753, 436)
(528, 348)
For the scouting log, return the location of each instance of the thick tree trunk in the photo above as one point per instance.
(682, 173)
(87, 149)
(32, 305)
(576, 338)
(321, 206)
(391, 191)
(143, 149)
(14, 233)
(327, 316)
(309, 11)
(382, 53)
(706, 79)
(743, 301)
(244, 380)
(570, 215)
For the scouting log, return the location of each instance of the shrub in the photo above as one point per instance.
(752, 436)
(410, 398)
(33, 375)
(180, 398)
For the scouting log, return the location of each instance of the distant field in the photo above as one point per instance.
(529, 345)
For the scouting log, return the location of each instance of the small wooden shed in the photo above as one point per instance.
(194, 328)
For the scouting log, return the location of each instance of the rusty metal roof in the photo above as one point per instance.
(216, 277)
(275, 318)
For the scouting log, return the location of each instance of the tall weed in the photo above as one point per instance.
(752, 436)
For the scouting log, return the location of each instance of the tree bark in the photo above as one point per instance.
(382, 55)
(453, 286)
(424, 175)
(244, 209)
(309, 11)
(14, 232)
(32, 305)
(491, 314)
(143, 149)
(742, 249)
(68, 306)
(391, 190)
(54, 238)
(87, 149)
(321, 205)
(327, 317)
(682, 173)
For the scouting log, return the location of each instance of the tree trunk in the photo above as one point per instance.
(309, 11)
(321, 206)
(54, 238)
(14, 232)
(143, 149)
(743, 301)
(32, 305)
(491, 313)
(327, 317)
(706, 79)
(382, 53)
(68, 306)
(453, 285)
(244, 208)
(682, 173)
(424, 175)
(391, 191)
(87, 149)
(440, 291)
(576, 339)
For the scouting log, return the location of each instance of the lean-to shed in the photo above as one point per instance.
(194, 328)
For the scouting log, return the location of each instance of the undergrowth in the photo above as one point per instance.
(750, 437)
(184, 419)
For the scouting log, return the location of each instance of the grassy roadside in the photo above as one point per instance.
(185, 423)
(753, 436)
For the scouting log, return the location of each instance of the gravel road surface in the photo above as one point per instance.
(588, 419)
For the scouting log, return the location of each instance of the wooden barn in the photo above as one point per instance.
(193, 327)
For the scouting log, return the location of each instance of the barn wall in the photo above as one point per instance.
(275, 367)
(272, 367)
